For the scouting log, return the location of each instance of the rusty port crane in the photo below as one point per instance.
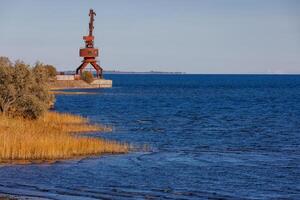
(89, 53)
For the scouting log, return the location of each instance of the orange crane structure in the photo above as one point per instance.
(89, 53)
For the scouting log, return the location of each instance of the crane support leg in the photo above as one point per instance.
(81, 67)
(98, 69)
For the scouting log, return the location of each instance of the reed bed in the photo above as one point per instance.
(50, 138)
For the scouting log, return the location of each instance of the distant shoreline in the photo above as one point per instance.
(185, 73)
(150, 72)
(128, 72)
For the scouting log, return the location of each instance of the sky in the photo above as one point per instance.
(192, 36)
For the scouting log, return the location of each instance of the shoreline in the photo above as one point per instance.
(54, 137)
(61, 91)
(63, 83)
(8, 197)
(49, 162)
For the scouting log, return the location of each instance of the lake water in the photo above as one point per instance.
(208, 137)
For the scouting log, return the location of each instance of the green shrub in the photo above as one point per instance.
(23, 90)
(30, 107)
(87, 76)
(51, 71)
(44, 72)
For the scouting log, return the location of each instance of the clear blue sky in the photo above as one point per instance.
(194, 36)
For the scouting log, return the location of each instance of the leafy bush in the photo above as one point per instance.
(87, 76)
(45, 72)
(23, 91)
(51, 71)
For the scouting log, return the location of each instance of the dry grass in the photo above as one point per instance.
(50, 138)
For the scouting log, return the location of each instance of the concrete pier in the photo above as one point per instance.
(72, 82)
(102, 83)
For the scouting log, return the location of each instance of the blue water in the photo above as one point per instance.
(207, 137)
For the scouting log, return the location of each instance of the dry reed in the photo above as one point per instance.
(49, 138)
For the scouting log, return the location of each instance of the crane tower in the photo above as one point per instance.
(89, 53)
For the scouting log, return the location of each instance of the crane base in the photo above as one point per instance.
(72, 81)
